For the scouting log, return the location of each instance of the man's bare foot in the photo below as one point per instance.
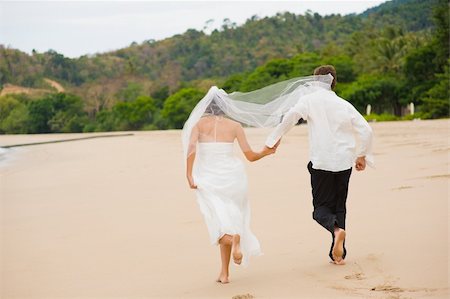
(338, 248)
(236, 249)
(340, 263)
(223, 279)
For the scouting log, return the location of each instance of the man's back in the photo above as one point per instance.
(332, 142)
(332, 124)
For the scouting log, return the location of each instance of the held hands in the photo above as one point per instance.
(269, 151)
(360, 163)
(191, 183)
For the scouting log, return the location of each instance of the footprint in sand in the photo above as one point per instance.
(441, 149)
(356, 276)
(387, 288)
(245, 296)
(357, 272)
(402, 188)
(439, 176)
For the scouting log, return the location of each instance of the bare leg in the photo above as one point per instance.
(236, 249)
(226, 240)
(225, 254)
(338, 248)
(235, 242)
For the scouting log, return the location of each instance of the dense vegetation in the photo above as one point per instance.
(388, 56)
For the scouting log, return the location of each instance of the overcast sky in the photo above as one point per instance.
(87, 27)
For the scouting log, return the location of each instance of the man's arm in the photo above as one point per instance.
(289, 121)
(365, 138)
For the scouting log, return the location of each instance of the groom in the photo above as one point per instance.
(333, 124)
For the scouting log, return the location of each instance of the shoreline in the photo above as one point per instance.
(65, 140)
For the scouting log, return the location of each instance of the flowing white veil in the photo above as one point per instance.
(263, 107)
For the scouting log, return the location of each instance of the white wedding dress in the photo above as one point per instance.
(222, 187)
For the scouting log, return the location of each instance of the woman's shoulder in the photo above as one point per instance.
(232, 123)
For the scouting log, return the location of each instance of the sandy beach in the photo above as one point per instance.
(114, 218)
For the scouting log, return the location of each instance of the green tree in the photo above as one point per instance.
(441, 35)
(233, 82)
(382, 93)
(59, 112)
(420, 74)
(40, 113)
(427, 67)
(179, 105)
(344, 66)
(135, 114)
(305, 63)
(7, 104)
(13, 115)
(130, 92)
(273, 71)
(436, 101)
(160, 95)
(16, 122)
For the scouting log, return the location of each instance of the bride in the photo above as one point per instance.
(221, 184)
(217, 175)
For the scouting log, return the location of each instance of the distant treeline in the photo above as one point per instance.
(388, 57)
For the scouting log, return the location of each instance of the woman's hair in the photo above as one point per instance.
(214, 109)
(325, 70)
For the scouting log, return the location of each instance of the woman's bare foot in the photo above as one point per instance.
(223, 279)
(338, 248)
(236, 249)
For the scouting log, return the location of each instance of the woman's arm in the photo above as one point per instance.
(247, 150)
(191, 157)
(190, 164)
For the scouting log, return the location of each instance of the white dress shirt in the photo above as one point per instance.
(333, 124)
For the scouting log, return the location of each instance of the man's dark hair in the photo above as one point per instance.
(325, 70)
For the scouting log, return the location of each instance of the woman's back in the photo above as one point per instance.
(216, 129)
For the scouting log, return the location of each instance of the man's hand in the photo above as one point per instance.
(360, 163)
(192, 185)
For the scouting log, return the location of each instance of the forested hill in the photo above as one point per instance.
(412, 15)
(389, 56)
(196, 55)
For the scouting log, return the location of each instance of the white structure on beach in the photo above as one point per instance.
(368, 109)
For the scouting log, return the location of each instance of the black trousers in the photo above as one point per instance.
(329, 191)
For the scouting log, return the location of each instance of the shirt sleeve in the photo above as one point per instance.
(300, 110)
(364, 134)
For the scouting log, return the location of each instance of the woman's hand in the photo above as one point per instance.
(270, 151)
(192, 185)
(255, 156)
